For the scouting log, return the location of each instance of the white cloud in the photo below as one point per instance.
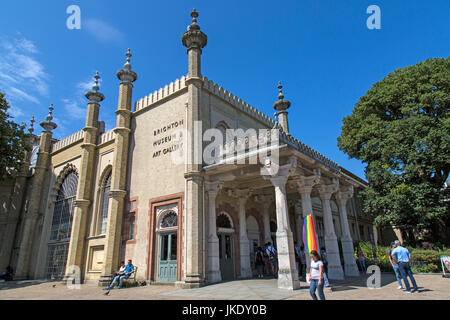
(102, 31)
(74, 108)
(16, 94)
(22, 76)
(15, 112)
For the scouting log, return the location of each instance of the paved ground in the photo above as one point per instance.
(431, 287)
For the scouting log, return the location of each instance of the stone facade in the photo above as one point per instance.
(140, 195)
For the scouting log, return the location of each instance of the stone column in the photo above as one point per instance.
(194, 40)
(33, 212)
(334, 261)
(266, 202)
(305, 185)
(6, 246)
(242, 195)
(119, 173)
(287, 269)
(213, 274)
(76, 253)
(348, 251)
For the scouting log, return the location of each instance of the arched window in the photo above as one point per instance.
(61, 227)
(223, 221)
(105, 202)
(63, 212)
(169, 220)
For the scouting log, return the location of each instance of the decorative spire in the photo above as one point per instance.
(193, 37)
(31, 128)
(126, 75)
(194, 15)
(50, 111)
(280, 96)
(95, 96)
(127, 65)
(96, 87)
(48, 125)
(281, 104)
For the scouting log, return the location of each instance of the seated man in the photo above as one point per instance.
(129, 269)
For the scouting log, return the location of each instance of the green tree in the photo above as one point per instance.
(13, 142)
(401, 130)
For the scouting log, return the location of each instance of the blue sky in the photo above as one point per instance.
(321, 51)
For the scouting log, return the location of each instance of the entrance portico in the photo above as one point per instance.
(244, 188)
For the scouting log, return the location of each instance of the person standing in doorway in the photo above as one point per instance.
(395, 266)
(323, 253)
(273, 259)
(266, 260)
(302, 262)
(316, 276)
(401, 256)
(297, 257)
(259, 262)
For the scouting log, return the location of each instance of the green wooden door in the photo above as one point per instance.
(168, 257)
(226, 256)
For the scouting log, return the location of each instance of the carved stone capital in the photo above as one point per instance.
(327, 190)
(117, 194)
(213, 188)
(81, 203)
(344, 194)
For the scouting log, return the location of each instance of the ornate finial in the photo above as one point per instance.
(31, 128)
(281, 104)
(50, 111)
(127, 65)
(95, 96)
(194, 15)
(126, 75)
(280, 95)
(96, 87)
(193, 37)
(48, 125)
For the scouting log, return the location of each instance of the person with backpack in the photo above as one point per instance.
(273, 259)
(259, 262)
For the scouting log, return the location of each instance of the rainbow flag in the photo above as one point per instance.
(309, 235)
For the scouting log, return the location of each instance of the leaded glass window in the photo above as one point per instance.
(63, 212)
(105, 203)
(169, 220)
(61, 227)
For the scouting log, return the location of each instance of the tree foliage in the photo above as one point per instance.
(401, 130)
(13, 142)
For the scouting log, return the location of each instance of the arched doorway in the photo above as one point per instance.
(225, 232)
(168, 243)
(61, 228)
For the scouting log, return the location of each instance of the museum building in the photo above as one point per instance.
(96, 198)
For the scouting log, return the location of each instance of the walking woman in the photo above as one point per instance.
(316, 276)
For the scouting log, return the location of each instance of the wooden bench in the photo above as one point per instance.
(131, 281)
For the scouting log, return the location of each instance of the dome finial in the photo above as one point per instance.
(50, 111)
(280, 87)
(95, 87)
(31, 128)
(194, 15)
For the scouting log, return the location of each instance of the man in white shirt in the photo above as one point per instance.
(273, 259)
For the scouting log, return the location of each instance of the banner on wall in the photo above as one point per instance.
(309, 234)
